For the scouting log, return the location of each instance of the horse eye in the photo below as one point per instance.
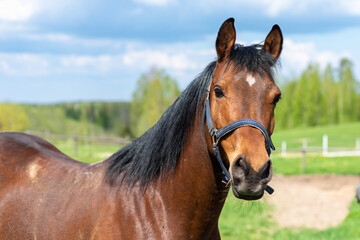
(218, 92)
(276, 99)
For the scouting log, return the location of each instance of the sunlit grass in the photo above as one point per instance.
(252, 220)
(245, 220)
(339, 136)
(86, 152)
(317, 165)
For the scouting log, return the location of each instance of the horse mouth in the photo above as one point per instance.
(248, 195)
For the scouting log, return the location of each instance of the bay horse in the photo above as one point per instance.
(166, 184)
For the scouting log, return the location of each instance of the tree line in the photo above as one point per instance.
(316, 97)
(155, 92)
(331, 96)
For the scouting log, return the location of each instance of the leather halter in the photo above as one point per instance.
(217, 134)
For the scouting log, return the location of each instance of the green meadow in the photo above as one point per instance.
(252, 220)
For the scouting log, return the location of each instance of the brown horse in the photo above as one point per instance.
(167, 184)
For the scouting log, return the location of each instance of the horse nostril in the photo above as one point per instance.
(241, 163)
(265, 171)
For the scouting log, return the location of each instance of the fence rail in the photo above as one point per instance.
(85, 139)
(324, 151)
(106, 140)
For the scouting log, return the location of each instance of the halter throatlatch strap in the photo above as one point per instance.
(217, 134)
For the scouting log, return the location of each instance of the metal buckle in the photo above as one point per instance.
(213, 135)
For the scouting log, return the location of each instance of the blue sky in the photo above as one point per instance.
(65, 50)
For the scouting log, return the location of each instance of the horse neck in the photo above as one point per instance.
(185, 204)
(196, 183)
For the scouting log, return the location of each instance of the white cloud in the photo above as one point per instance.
(275, 8)
(154, 2)
(17, 10)
(296, 56)
(15, 64)
(160, 59)
(4, 66)
(53, 37)
(180, 61)
(33, 64)
(351, 6)
(103, 64)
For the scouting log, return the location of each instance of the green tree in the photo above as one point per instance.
(331, 110)
(318, 98)
(13, 118)
(284, 109)
(314, 96)
(299, 103)
(348, 98)
(154, 93)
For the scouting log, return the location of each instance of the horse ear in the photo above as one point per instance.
(274, 41)
(225, 39)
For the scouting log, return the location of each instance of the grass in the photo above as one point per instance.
(251, 220)
(317, 165)
(339, 136)
(245, 220)
(86, 152)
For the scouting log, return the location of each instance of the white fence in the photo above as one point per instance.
(325, 150)
(82, 139)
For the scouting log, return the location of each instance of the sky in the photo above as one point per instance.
(91, 50)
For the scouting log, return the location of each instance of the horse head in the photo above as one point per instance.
(243, 93)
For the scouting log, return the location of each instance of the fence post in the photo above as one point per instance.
(325, 145)
(303, 165)
(304, 143)
(283, 149)
(76, 144)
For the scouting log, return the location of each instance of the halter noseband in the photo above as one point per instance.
(217, 134)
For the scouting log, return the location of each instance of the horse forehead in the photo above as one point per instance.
(242, 79)
(247, 77)
(250, 82)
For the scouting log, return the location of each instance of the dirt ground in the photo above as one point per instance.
(313, 201)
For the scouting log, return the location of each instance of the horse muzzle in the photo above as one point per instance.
(247, 183)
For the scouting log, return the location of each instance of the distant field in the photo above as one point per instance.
(339, 136)
(86, 152)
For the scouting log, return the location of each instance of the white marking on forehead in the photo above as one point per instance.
(250, 79)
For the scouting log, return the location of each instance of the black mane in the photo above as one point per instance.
(157, 151)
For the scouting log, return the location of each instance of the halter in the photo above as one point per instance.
(217, 134)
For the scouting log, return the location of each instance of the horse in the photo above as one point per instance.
(167, 184)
